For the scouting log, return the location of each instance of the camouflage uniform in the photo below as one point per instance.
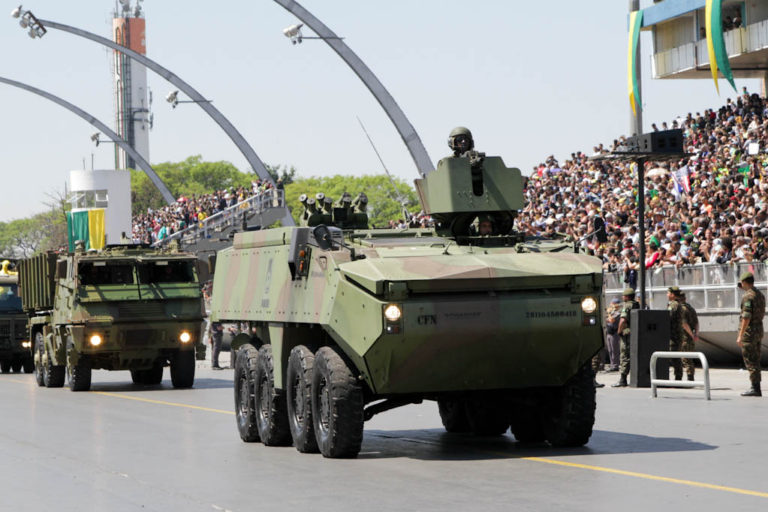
(753, 308)
(624, 363)
(676, 334)
(689, 344)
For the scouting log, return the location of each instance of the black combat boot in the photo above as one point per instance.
(753, 391)
(690, 376)
(597, 384)
(622, 382)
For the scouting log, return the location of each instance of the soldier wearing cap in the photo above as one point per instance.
(751, 330)
(677, 327)
(624, 329)
(690, 336)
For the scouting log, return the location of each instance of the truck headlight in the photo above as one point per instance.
(95, 340)
(393, 313)
(184, 337)
(588, 305)
(26, 344)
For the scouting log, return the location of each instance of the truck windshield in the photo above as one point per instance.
(153, 272)
(9, 298)
(101, 272)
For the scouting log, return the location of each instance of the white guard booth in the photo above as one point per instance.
(107, 189)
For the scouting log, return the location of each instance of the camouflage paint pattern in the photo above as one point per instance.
(138, 322)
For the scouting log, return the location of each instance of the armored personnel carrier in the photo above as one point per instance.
(123, 308)
(347, 322)
(14, 343)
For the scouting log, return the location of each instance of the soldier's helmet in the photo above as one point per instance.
(460, 140)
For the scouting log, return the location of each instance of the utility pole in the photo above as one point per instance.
(636, 118)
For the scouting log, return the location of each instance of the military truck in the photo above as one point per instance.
(347, 322)
(14, 343)
(123, 308)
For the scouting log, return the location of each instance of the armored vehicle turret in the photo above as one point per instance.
(347, 322)
(123, 308)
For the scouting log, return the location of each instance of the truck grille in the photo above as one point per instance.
(141, 309)
(20, 329)
(5, 330)
(138, 337)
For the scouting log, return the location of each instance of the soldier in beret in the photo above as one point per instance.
(677, 327)
(629, 304)
(751, 330)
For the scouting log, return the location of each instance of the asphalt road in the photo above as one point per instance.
(126, 447)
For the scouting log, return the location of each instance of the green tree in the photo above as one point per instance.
(382, 203)
(281, 172)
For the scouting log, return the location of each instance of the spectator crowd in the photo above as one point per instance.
(711, 206)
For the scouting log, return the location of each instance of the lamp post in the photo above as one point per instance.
(250, 155)
(143, 164)
(396, 115)
(173, 99)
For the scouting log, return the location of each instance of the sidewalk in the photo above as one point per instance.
(723, 382)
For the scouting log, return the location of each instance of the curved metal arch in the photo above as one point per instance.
(387, 102)
(143, 164)
(250, 155)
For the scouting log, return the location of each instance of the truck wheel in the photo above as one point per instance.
(245, 414)
(486, 417)
(526, 425)
(299, 397)
(53, 376)
(453, 413)
(137, 376)
(78, 375)
(16, 366)
(28, 365)
(5, 366)
(183, 369)
(271, 411)
(337, 406)
(153, 376)
(38, 361)
(570, 413)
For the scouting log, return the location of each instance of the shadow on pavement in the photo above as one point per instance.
(201, 383)
(436, 444)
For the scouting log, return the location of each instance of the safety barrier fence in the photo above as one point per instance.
(680, 383)
(232, 216)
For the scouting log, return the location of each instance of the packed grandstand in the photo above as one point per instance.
(710, 207)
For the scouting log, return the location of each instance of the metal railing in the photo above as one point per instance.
(680, 383)
(232, 216)
(708, 287)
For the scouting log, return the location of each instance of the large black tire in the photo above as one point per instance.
(16, 366)
(487, 417)
(54, 376)
(453, 413)
(5, 366)
(526, 426)
(337, 406)
(271, 410)
(28, 365)
(154, 376)
(570, 414)
(183, 369)
(137, 376)
(298, 384)
(78, 375)
(245, 413)
(39, 351)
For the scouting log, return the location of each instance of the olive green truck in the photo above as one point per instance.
(123, 308)
(14, 343)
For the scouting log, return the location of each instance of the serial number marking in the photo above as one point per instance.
(550, 314)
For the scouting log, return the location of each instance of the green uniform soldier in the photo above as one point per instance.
(689, 338)
(677, 327)
(751, 330)
(624, 329)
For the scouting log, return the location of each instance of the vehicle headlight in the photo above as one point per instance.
(393, 313)
(26, 344)
(184, 337)
(95, 340)
(588, 305)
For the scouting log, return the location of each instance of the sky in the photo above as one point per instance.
(529, 79)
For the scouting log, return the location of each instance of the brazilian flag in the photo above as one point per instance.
(88, 226)
(635, 23)
(718, 56)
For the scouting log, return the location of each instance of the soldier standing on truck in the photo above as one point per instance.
(751, 330)
(690, 336)
(629, 304)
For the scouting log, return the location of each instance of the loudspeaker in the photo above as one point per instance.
(649, 333)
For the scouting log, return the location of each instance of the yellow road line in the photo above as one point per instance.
(163, 402)
(647, 476)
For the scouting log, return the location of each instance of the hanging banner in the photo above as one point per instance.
(718, 56)
(88, 226)
(96, 228)
(635, 22)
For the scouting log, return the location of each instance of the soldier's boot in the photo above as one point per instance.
(622, 382)
(597, 384)
(690, 376)
(753, 391)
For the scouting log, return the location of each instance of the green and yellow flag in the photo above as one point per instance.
(718, 56)
(635, 22)
(88, 226)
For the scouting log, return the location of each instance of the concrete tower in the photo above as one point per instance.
(132, 98)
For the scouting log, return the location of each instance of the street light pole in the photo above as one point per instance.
(387, 102)
(143, 164)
